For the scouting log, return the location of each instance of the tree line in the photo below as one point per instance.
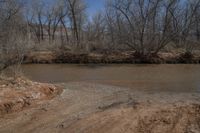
(144, 26)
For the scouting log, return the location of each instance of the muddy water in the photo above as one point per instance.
(175, 78)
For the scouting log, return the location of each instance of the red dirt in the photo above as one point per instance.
(18, 94)
(92, 108)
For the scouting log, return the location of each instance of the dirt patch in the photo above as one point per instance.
(92, 108)
(151, 119)
(182, 119)
(18, 94)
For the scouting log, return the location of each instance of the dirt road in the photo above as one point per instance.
(92, 108)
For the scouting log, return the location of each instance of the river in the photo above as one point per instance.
(152, 78)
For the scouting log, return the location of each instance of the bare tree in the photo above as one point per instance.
(144, 26)
(76, 13)
(149, 24)
(55, 13)
(35, 18)
(189, 25)
(12, 33)
(96, 29)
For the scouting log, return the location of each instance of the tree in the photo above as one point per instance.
(96, 29)
(190, 25)
(76, 13)
(35, 18)
(55, 14)
(150, 25)
(12, 33)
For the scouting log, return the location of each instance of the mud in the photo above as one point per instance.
(94, 108)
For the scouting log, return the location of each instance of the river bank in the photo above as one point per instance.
(49, 57)
(89, 108)
(20, 93)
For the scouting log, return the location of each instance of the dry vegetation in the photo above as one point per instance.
(145, 27)
(127, 57)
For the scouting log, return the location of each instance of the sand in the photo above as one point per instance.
(94, 108)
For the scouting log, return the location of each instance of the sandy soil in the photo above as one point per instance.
(92, 108)
(20, 93)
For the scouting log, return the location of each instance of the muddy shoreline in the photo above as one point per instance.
(48, 57)
(89, 108)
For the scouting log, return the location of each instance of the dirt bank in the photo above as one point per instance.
(92, 108)
(112, 57)
(18, 94)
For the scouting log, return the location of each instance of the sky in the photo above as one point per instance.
(94, 6)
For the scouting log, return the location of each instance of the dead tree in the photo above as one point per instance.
(76, 12)
(147, 31)
(12, 33)
(189, 25)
